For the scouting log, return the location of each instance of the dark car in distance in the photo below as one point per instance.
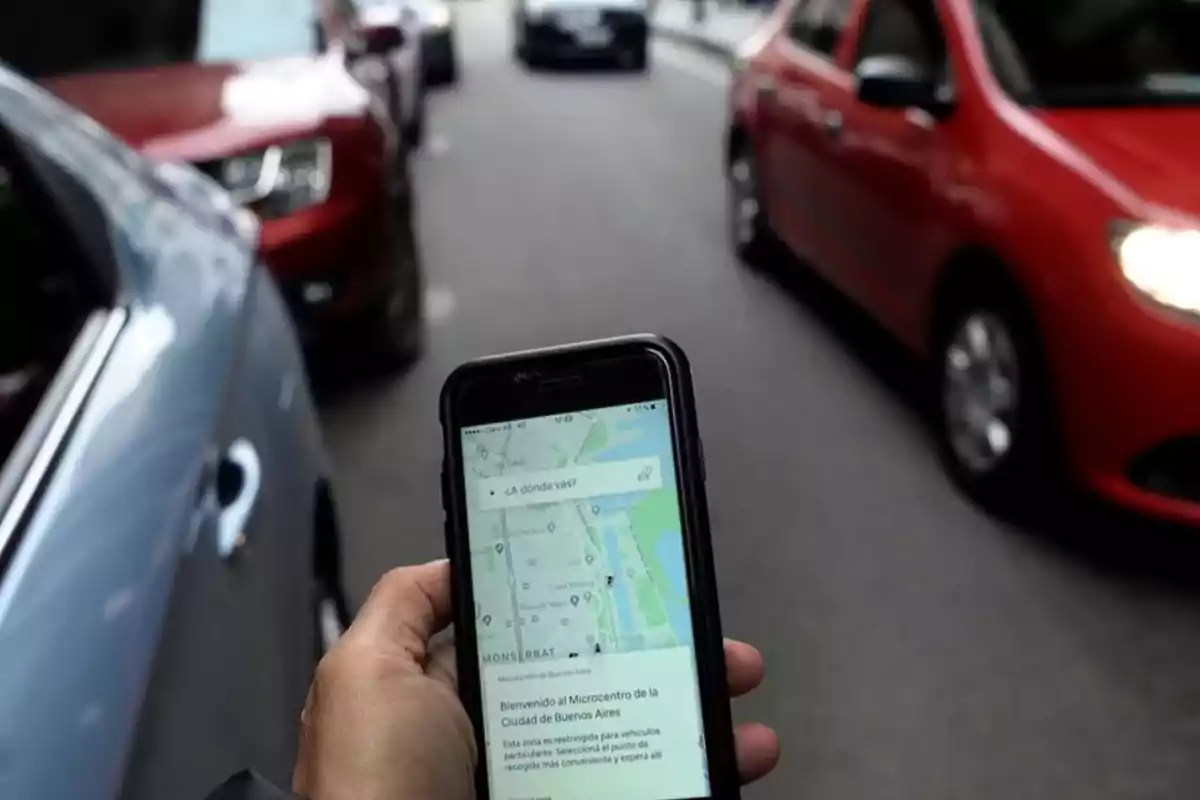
(557, 31)
(432, 27)
(439, 49)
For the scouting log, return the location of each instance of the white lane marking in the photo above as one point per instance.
(439, 304)
(698, 65)
(438, 146)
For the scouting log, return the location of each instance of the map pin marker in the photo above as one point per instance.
(499, 547)
(487, 619)
(587, 597)
(574, 599)
(551, 527)
(596, 510)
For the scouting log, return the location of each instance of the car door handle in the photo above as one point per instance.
(239, 480)
(833, 122)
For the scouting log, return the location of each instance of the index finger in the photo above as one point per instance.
(744, 667)
(407, 606)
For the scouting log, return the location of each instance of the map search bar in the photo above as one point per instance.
(570, 483)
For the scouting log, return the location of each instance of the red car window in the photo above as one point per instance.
(1094, 53)
(906, 28)
(819, 24)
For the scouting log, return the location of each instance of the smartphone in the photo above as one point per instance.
(590, 655)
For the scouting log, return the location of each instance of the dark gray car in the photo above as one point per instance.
(560, 31)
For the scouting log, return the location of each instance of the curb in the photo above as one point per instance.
(697, 41)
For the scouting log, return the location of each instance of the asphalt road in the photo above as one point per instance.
(916, 648)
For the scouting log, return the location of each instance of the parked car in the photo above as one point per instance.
(168, 544)
(430, 23)
(549, 31)
(1009, 187)
(295, 136)
(439, 47)
(387, 18)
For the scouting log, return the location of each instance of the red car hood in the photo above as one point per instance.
(1151, 151)
(195, 112)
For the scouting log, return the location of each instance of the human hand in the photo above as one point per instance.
(383, 720)
(756, 745)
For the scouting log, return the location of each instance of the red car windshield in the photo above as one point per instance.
(1094, 53)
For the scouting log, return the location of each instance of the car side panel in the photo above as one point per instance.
(238, 647)
(121, 530)
(83, 601)
(273, 401)
(890, 167)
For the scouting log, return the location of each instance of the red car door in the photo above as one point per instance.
(810, 96)
(778, 183)
(886, 169)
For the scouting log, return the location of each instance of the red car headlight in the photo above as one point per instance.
(1163, 263)
(282, 179)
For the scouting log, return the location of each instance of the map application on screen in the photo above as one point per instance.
(581, 607)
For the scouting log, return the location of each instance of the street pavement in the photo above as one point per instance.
(916, 648)
(719, 32)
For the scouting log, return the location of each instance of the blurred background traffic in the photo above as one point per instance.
(936, 264)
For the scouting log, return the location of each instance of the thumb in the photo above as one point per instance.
(407, 606)
(300, 776)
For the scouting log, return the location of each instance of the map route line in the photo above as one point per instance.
(608, 607)
(512, 584)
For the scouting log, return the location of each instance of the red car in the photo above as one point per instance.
(291, 106)
(1011, 188)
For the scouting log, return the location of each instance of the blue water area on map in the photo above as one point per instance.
(616, 503)
(669, 549)
(644, 435)
(620, 587)
(653, 438)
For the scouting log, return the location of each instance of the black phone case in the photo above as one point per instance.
(702, 589)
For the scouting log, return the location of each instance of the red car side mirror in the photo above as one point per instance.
(383, 39)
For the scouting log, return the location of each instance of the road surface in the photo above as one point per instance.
(916, 648)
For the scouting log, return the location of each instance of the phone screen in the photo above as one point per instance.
(582, 612)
